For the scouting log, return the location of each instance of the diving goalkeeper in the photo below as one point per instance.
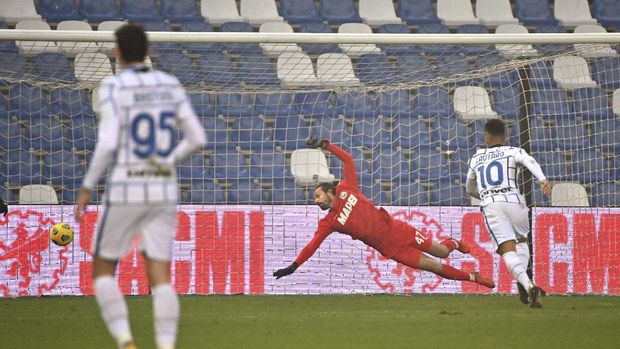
(351, 213)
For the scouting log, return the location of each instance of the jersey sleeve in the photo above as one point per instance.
(350, 175)
(525, 159)
(321, 233)
(194, 135)
(471, 186)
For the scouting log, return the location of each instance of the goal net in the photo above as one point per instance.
(411, 113)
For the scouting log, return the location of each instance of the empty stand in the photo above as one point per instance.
(317, 27)
(99, 10)
(378, 12)
(296, 69)
(572, 72)
(72, 48)
(14, 11)
(417, 12)
(606, 12)
(299, 11)
(258, 12)
(218, 12)
(37, 194)
(569, 194)
(356, 50)
(140, 10)
(534, 12)
(494, 12)
(180, 10)
(472, 102)
(59, 10)
(274, 50)
(92, 67)
(456, 12)
(572, 13)
(338, 11)
(31, 48)
(335, 69)
(593, 50)
(514, 51)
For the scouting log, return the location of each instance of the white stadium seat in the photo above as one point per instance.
(220, 11)
(569, 194)
(37, 194)
(72, 48)
(14, 11)
(335, 69)
(31, 48)
(92, 67)
(572, 13)
(357, 50)
(309, 166)
(257, 12)
(593, 50)
(615, 104)
(472, 102)
(274, 50)
(378, 12)
(456, 12)
(295, 69)
(494, 12)
(514, 51)
(108, 46)
(572, 72)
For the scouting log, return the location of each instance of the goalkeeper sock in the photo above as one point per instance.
(517, 269)
(452, 273)
(523, 250)
(113, 309)
(166, 315)
(451, 244)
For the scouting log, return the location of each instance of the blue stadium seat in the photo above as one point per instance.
(83, 132)
(252, 133)
(590, 166)
(314, 103)
(409, 194)
(474, 49)
(234, 104)
(52, 67)
(550, 49)
(451, 133)
(339, 11)
(11, 135)
(317, 49)
(299, 11)
(416, 12)
(140, 10)
(374, 69)
(371, 133)
(393, 28)
(68, 103)
(553, 164)
(275, 104)
(254, 68)
(334, 129)
(571, 134)
(412, 68)
(432, 101)
(542, 135)
(217, 134)
(26, 101)
(179, 65)
(606, 12)
(206, 192)
(6, 46)
(507, 101)
(591, 103)
(286, 192)
(180, 10)
(228, 166)
(606, 72)
(245, 192)
(606, 194)
(64, 168)
(394, 104)
(6, 194)
(193, 169)
(534, 12)
(502, 78)
(538, 198)
(47, 134)
(355, 104)
(238, 27)
(364, 167)
(22, 167)
(540, 75)
(267, 166)
(458, 163)
(429, 163)
(202, 104)
(607, 135)
(291, 132)
(550, 103)
(3, 110)
(99, 10)
(200, 27)
(435, 28)
(58, 10)
(216, 68)
(155, 25)
(449, 66)
(391, 164)
(448, 193)
(412, 132)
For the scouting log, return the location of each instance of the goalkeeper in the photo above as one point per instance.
(351, 213)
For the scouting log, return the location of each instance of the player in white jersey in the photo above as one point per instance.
(492, 178)
(140, 111)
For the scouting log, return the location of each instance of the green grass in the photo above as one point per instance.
(326, 322)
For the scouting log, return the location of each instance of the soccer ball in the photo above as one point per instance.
(61, 234)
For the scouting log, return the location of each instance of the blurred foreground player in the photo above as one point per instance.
(351, 213)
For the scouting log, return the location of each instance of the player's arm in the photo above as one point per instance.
(531, 164)
(322, 232)
(194, 134)
(471, 186)
(350, 175)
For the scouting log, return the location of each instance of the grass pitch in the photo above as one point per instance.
(326, 322)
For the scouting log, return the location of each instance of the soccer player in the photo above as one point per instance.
(351, 213)
(140, 110)
(492, 178)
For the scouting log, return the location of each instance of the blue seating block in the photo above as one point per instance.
(339, 11)
(47, 134)
(275, 104)
(216, 68)
(245, 192)
(180, 10)
(606, 134)
(228, 166)
(99, 10)
(374, 69)
(254, 68)
(606, 194)
(58, 10)
(534, 12)
(268, 166)
(412, 132)
(590, 166)
(299, 11)
(52, 67)
(195, 47)
(550, 103)
(409, 194)
(140, 10)
(64, 168)
(371, 133)
(449, 193)
(291, 132)
(217, 134)
(317, 49)
(606, 12)
(394, 104)
(206, 192)
(355, 104)
(68, 103)
(606, 72)
(416, 12)
(591, 103)
(432, 101)
(26, 101)
(83, 132)
(252, 133)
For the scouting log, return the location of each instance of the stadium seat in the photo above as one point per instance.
(472, 102)
(309, 166)
(52, 67)
(551, 49)
(228, 166)
(474, 49)
(572, 72)
(374, 69)
(238, 27)
(553, 164)
(606, 194)
(550, 103)
(337, 130)
(47, 134)
(606, 72)
(58, 10)
(140, 10)
(593, 50)
(336, 70)
(616, 102)
(539, 75)
(180, 10)
(206, 192)
(72, 48)
(258, 12)
(313, 104)
(64, 168)
(22, 167)
(396, 29)
(394, 104)
(571, 134)
(268, 166)
(606, 135)
(202, 104)
(507, 101)
(160, 47)
(37, 194)
(592, 104)
(391, 164)
(448, 193)
(375, 192)
(234, 104)
(31, 48)
(338, 11)
(317, 49)
(451, 133)
(569, 194)
(363, 166)
(371, 133)
(14, 11)
(67, 103)
(534, 12)
(275, 104)
(429, 163)
(99, 10)
(456, 12)
(108, 47)
(572, 13)
(355, 104)
(495, 12)
(499, 78)
(416, 12)
(517, 50)
(26, 101)
(179, 65)
(606, 12)
(412, 68)
(432, 101)
(92, 67)
(378, 12)
(410, 133)
(295, 69)
(542, 135)
(252, 134)
(286, 192)
(218, 12)
(354, 50)
(451, 66)
(217, 134)
(590, 166)
(299, 11)
(193, 169)
(274, 50)
(436, 49)
(198, 47)
(11, 136)
(215, 68)
(83, 132)
(409, 194)
(254, 68)
(7, 46)
(245, 192)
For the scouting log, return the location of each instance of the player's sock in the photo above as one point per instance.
(113, 309)
(454, 274)
(450, 243)
(517, 269)
(166, 314)
(523, 250)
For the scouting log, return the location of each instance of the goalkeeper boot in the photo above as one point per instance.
(463, 247)
(483, 280)
(534, 295)
(523, 297)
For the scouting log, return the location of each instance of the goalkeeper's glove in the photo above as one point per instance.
(4, 209)
(286, 271)
(313, 143)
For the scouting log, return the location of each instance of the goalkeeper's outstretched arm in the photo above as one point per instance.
(350, 175)
(307, 252)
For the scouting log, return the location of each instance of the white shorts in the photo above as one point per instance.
(118, 226)
(506, 221)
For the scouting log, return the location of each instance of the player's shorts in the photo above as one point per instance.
(118, 226)
(406, 244)
(506, 221)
